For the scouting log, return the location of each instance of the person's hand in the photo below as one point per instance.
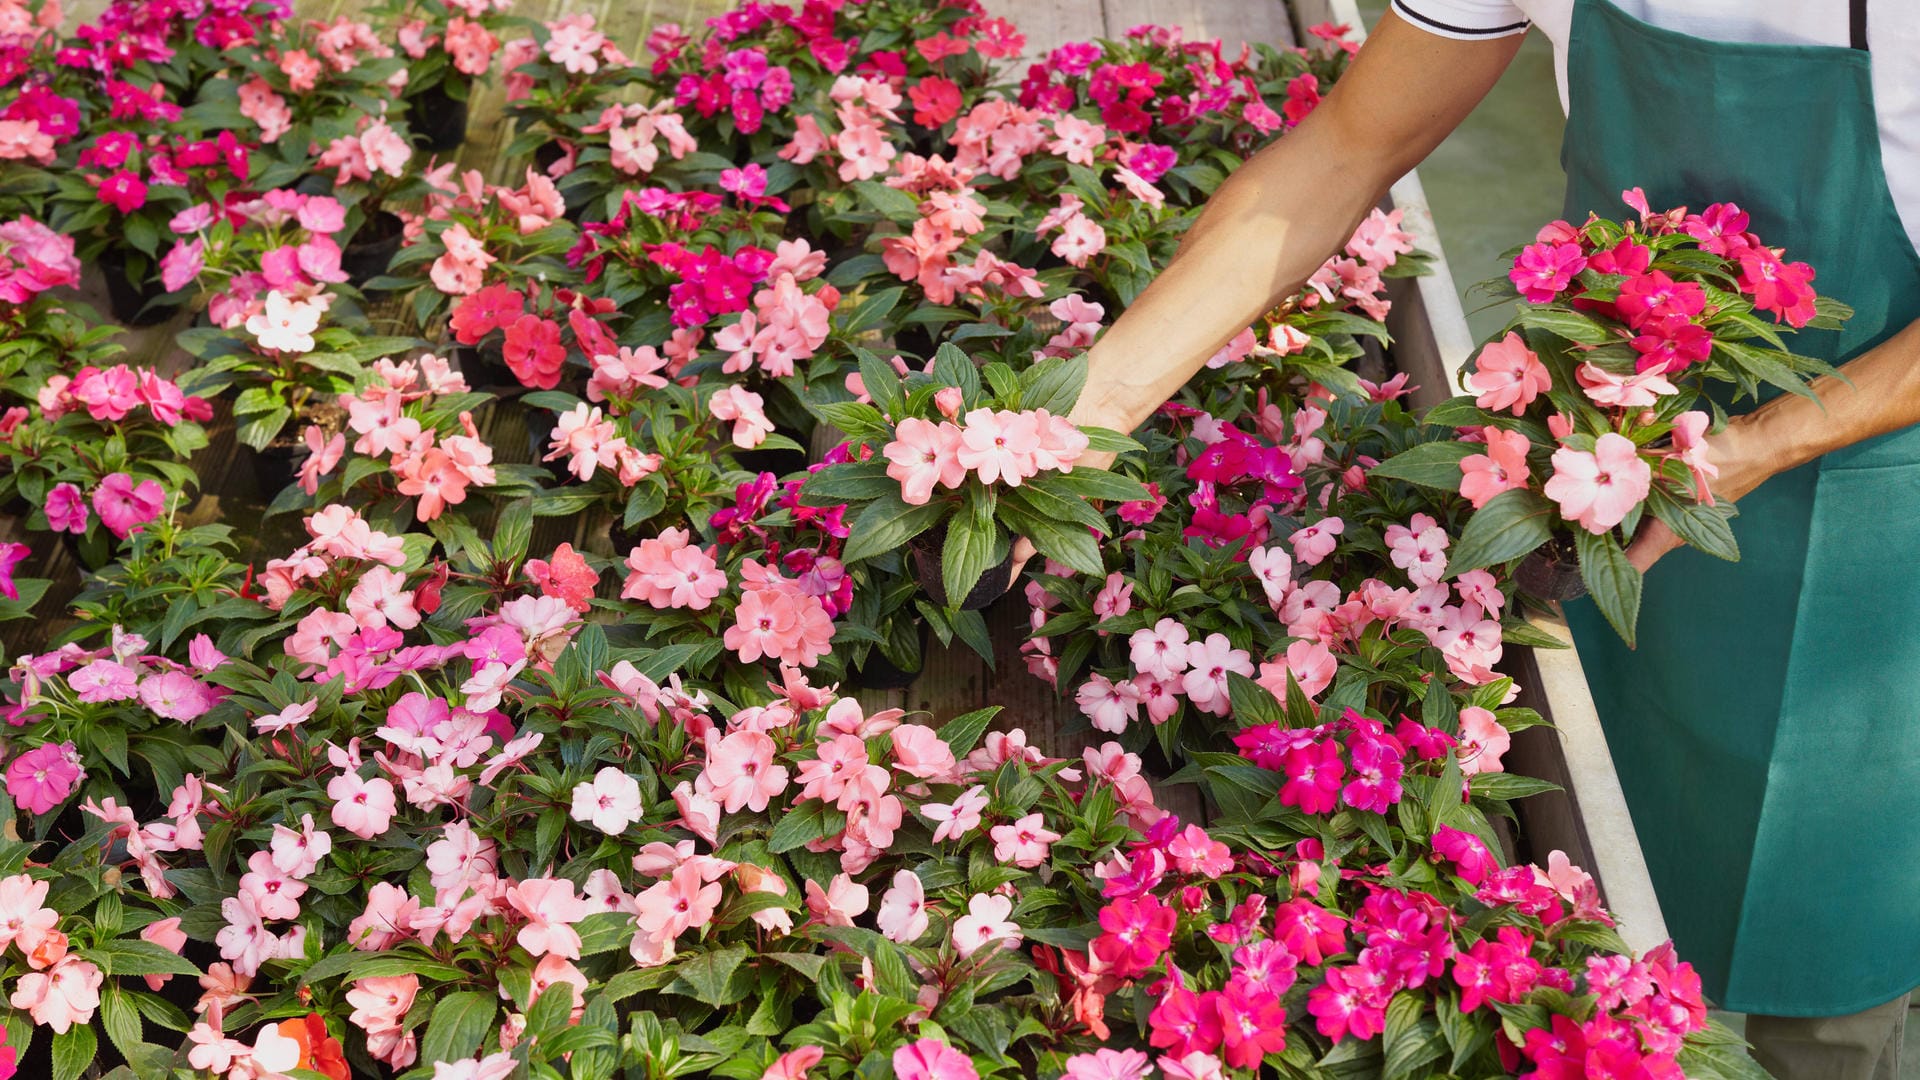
(1745, 461)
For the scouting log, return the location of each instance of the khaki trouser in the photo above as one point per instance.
(1859, 1046)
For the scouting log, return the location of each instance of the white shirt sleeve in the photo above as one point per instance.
(1464, 19)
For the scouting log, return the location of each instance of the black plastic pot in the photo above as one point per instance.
(926, 551)
(485, 366)
(438, 121)
(276, 467)
(135, 302)
(372, 248)
(880, 673)
(1549, 576)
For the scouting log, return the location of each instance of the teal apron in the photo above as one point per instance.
(1767, 729)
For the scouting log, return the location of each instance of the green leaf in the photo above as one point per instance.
(126, 956)
(1411, 1038)
(1054, 384)
(853, 481)
(73, 1051)
(1612, 581)
(1433, 464)
(1063, 542)
(1094, 484)
(1253, 704)
(1507, 786)
(883, 384)
(963, 731)
(857, 420)
(709, 977)
(513, 531)
(1510, 525)
(954, 367)
(974, 544)
(460, 1021)
(802, 825)
(1570, 325)
(120, 1018)
(886, 525)
(1704, 527)
(1108, 441)
(892, 203)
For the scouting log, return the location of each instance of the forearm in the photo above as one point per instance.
(1881, 393)
(1271, 225)
(1263, 233)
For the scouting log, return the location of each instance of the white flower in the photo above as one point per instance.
(610, 803)
(286, 325)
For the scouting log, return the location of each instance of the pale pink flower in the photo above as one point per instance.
(1690, 439)
(1502, 468)
(1640, 391)
(364, 808)
(792, 1065)
(1160, 650)
(903, 909)
(923, 454)
(1313, 543)
(1208, 664)
(985, 923)
(1508, 375)
(1599, 489)
(841, 902)
(380, 1004)
(999, 445)
(1483, 742)
(550, 908)
(931, 1059)
(959, 818)
(1108, 705)
(65, 995)
(1024, 843)
(741, 771)
(610, 803)
(744, 409)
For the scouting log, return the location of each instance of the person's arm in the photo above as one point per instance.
(1279, 216)
(1881, 393)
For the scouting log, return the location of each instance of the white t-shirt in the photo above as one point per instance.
(1893, 40)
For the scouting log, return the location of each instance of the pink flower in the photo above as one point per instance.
(903, 909)
(923, 454)
(364, 808)
(786, 625)
(1637, 391)
(124, 506)
(1599, 489)
(1161, 650)
(610, 803)
(1483, 741)
(1469, 854)
(841, 902)
(1209, 663)
(741, 771)
(985, 923)
(1543, 270)
(793, 1064)
(1502, 468)
(25, 920)
(61, 997)
(1109, 706)
(380, 1004)
(550, 908)
(167, 934)
(1314, 774)
(1104, 1064)
(999, 445)
(1312, 544)
(931, 1059)
(1023, 843)
(1690, 440)
(1349, 1003)
(959, 818)
(1508, 376)
(175, 695)
(66, 509)
(322, 455)
(43, 777)
(745, 409)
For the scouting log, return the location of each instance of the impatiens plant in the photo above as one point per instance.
(963, 461)
(1590, 412)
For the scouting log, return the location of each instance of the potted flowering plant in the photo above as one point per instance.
(565, 67)
(287, 367)
(1630, 341)
(449, 45)
(234, 254)
(296, 91)
(962, 460)
(489, 252)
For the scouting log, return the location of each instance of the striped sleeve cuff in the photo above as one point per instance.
(1465, 21)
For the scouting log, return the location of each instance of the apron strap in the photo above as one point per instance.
(1857, 23)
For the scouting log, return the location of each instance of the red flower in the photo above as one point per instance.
(935, 100)
(481, 313)
(534, 352)
(124, 192)
(566, 576)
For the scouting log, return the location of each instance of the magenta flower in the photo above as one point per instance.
(931, 1059)
(10, 557)
(1543, 270)
(124, 192)
(124, 506)
(1469, 854)
(43, 777)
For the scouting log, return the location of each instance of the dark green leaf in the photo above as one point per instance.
(1510, 525)
(1612, 581)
